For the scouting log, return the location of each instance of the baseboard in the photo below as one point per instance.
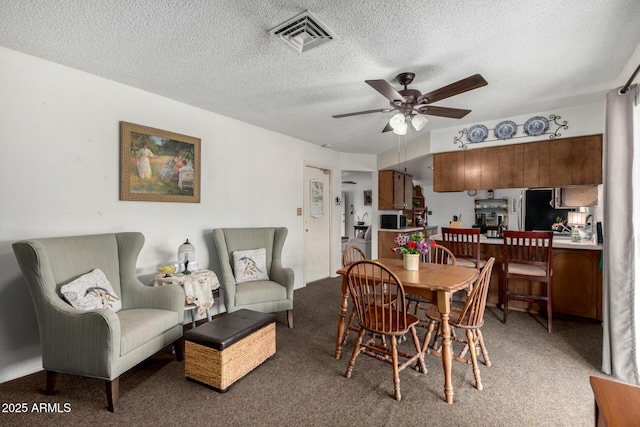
(21, 369)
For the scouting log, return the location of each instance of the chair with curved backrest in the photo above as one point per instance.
(438, 254)
(470, 318)
(527, 256)
(97, 342)
(379, 302)
(464, 243)
(350, 255)
(255, 280)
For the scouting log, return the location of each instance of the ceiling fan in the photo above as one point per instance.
(411, 104)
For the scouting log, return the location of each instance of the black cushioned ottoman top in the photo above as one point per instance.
(229, 328)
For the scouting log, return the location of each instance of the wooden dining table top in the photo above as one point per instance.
(435, 277)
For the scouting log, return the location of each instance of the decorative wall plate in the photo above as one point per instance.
(535, 126)
(477, 133)
(505, 129)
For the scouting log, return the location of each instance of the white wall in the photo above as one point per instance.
(581, 120)
(59, 130)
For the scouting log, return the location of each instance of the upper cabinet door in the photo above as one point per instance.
(587, 165)
(490, 167)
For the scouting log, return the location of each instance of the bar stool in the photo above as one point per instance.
(527, 256)
(464, 243)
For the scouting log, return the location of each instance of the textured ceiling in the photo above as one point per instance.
(536, 55)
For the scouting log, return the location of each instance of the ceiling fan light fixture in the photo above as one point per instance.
(418, 122)
(397, 121)
(400, 129)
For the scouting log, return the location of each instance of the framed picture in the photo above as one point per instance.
(367, 197)
(158, 166)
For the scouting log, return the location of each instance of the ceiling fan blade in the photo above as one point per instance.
(387, 128)
(433, 110)
(461, 86)
(386, 90)
(381, 110)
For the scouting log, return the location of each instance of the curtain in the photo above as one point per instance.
(620, 255)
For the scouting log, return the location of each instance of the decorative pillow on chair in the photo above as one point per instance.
(91, 291)
(251, 265)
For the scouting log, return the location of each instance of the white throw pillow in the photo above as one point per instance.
(251, 265)
(91, 291)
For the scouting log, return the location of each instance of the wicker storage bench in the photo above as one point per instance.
(220, 352)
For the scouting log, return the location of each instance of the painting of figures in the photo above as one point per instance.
(158, 165)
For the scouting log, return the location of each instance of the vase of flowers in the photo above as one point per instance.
(412, 246)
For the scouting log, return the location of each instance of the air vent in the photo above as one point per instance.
(303, 32)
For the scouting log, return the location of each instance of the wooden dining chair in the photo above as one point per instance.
(437, 255)
(350, 255)
(379, 302)
(470, 318)
(464, 243)
(527, 256)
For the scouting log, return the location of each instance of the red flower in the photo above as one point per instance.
(433, 244)
(412, 245)
(393, 250)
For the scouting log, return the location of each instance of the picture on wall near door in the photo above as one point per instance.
(368, 198)
(158, 166)
(316, 198)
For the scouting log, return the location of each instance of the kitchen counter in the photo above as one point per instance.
(561, 241)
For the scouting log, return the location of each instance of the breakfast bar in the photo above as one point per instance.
(577, 277)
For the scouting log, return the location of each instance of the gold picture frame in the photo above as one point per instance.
(158, 165)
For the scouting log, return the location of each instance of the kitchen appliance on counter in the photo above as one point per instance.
(393, 221)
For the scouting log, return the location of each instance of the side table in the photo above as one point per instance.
(616, 403)
(198, 290)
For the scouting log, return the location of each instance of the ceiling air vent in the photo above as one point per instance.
(303, 32)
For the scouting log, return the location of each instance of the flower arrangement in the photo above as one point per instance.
(415, 243)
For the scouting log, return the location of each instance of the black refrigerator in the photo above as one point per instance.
(539, 210)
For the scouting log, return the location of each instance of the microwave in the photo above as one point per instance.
(393, 221)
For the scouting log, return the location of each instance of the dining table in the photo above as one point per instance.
(434, 282)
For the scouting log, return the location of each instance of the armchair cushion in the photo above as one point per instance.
(91, 291)
(250, 265)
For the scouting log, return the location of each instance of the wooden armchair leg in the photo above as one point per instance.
(113, 391)
(290, 318)
(178, 348)
(51, 382)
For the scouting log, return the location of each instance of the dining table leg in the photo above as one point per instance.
(341, 316)
(444, 307)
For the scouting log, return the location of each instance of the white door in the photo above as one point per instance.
(317, 223)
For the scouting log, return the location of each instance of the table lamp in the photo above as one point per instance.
(186, 254)
(576, 220)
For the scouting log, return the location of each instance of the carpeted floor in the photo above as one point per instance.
(536, 379)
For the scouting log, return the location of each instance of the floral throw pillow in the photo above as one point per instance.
(91, 291)
(251, 265)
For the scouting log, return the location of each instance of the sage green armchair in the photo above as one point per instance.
(267, 296)
(98, 343)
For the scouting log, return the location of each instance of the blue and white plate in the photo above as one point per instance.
(536, 126)
(505, 129)
(477, 133)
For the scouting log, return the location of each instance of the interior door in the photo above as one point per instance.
(317, 223)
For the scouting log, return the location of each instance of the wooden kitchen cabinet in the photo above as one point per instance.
(449, 171)
(490, 167)
(561, 160)
(511, 173)
(549, 163)
(577, 283)
(395, 190)
(587, 162)
(472, 169)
